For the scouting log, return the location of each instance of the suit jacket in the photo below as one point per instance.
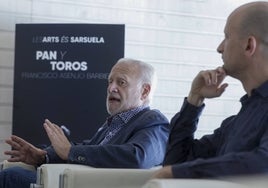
(141, 143)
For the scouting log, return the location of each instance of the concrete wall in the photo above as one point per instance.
(178, 37)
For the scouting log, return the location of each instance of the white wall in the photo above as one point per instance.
(178, 37)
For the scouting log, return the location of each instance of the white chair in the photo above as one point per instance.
(191, 183)
(5, 164)
(105, 178)
(81, 176)
(249, 181)
(48, 174)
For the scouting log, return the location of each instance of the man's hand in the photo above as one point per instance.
(58, 140)
(164, 172)
(23, 151)
(207, 84)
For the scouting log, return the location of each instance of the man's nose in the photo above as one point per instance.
(112, 88)
(220, 48)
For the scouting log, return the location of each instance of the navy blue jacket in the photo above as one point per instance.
(238, 147)
(139, 144)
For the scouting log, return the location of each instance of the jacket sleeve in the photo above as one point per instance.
(144, 149)
(181, 144)
(192, 158)
(141, 144)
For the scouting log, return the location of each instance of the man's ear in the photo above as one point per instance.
(146, 88)
(251, 46)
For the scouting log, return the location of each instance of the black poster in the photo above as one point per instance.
(61, 73)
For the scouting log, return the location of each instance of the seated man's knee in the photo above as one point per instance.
(15, 177)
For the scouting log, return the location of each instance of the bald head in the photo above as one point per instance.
(253, 20)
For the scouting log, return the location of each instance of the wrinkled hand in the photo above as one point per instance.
(207, 84)
(58, 140)
(23, 151)
(164, 172)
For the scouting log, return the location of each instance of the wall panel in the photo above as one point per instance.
(178, 37)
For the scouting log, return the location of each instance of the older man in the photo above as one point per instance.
(134, 136)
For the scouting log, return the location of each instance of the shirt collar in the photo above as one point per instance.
(262, 91)
(127, 115)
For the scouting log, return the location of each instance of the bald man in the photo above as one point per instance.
(240, 145)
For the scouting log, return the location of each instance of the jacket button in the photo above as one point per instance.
(80, 158)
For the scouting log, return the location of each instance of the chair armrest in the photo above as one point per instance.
(105, 177)
(48, 174)
(192, 183)
(256, 181)
(5, 164)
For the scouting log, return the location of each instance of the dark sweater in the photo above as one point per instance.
(238, 147)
